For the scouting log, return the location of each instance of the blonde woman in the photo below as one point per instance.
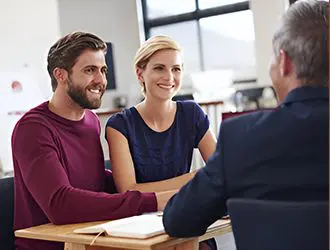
(151, 144)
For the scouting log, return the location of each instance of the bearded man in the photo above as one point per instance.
(57, 154)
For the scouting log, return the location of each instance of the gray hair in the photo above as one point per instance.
(303, 35)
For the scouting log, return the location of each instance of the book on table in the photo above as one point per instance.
(141, 226)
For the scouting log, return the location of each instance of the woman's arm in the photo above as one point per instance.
(123, 168)
(207, 145)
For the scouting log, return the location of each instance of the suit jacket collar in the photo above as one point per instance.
(307, 93)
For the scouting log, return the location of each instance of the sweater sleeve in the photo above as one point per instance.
(36, 155)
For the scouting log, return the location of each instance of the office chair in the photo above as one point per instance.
(7, 238)
(279, 225)
(107, 164)
(110, 186)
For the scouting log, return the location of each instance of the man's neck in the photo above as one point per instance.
(287, 87)
(64, 106)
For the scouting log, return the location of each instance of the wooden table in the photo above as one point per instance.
(73, 241)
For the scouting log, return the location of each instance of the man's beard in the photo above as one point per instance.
(79, 96)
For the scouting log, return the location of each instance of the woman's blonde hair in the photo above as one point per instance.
(150, 47)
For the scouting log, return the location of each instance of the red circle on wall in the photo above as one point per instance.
(16, 86)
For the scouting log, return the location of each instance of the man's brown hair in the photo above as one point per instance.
(64, 53)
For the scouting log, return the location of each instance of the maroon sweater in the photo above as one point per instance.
(60, 176)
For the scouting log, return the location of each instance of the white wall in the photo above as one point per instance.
(266, 14)
(27, 29)
(115, 21)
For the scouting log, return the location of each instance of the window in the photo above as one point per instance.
(188, 40)
(214, 34)
(228, 46)
(204, 4)
(161, 8)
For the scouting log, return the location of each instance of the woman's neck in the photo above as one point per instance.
(158, 115)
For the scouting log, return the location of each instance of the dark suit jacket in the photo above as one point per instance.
(279, 155)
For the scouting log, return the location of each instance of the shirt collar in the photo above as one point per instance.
(306, 93)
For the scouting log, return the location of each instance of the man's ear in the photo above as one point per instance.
(285, 63)
(60, 75)
(139, 75)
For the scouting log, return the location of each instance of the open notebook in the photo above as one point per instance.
(141, 227)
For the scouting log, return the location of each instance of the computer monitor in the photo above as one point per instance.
(111, 69)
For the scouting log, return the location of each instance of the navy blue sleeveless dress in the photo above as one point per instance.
(162, 155)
